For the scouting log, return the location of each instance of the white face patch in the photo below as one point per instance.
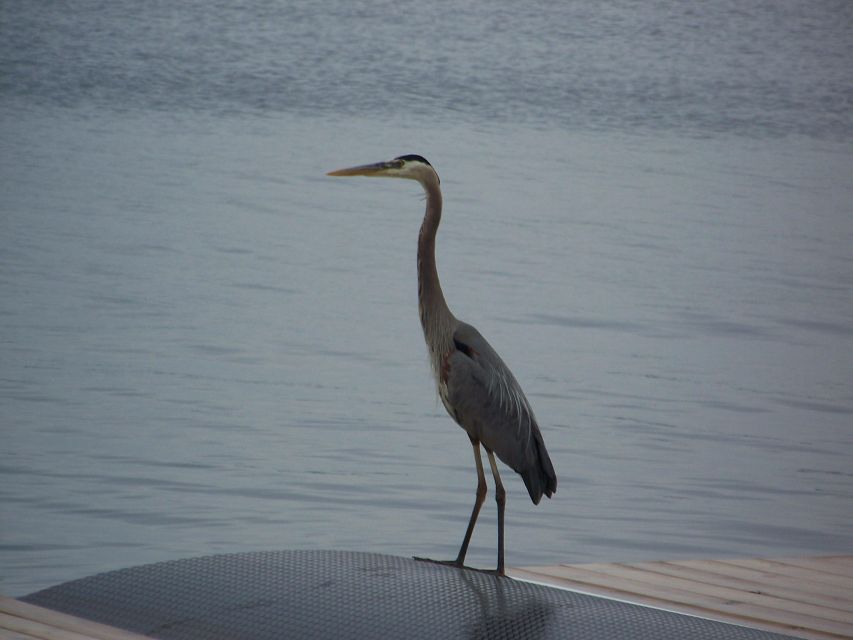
(411, 169)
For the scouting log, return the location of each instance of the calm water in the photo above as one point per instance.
(208, 346)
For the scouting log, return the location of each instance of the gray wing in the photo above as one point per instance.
(487, 401)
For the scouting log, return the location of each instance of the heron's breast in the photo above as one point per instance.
(443, 375)
(444, 394)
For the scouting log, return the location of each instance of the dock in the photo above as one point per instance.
(22, 621)
(808, 598)
(802, 597)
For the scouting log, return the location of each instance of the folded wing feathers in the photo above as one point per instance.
(509, 396)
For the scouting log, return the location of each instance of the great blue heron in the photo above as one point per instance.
(476, 387)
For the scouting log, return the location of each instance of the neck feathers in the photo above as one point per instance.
(436, 319)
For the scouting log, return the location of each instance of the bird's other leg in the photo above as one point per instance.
(500, 498)
(478, 503)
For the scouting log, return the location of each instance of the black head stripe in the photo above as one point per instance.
(414, 157)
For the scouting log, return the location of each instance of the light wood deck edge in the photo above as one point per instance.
(622, 582)
(663, 605)
(20, 620)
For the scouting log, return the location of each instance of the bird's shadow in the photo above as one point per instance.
(503, 612)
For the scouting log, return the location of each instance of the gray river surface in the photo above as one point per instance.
(207, 346)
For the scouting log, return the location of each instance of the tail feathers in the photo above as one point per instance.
(540, 478)
(538, 483)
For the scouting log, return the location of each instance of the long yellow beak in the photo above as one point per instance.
(376, 169)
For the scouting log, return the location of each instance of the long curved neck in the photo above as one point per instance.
(436, 319)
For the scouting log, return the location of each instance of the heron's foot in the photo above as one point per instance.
(460, 565)
(448, 563)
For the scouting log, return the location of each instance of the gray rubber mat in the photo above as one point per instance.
(336, 594)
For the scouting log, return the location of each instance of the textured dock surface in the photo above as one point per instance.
(257, 595)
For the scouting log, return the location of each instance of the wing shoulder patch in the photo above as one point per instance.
(467, 349)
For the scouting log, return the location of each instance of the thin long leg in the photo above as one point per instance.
(500, 498)
(478, 502)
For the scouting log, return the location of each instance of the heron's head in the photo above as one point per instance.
(412, 167)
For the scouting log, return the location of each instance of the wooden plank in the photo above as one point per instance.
(5, 634)
(824, 582)
(837, 565)
(46, 624)
(725, 592)
(805, 597)
(728, 601)
(533, 574)
(37, 629)
(732, 568)
(781, 589)
(780, 568)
